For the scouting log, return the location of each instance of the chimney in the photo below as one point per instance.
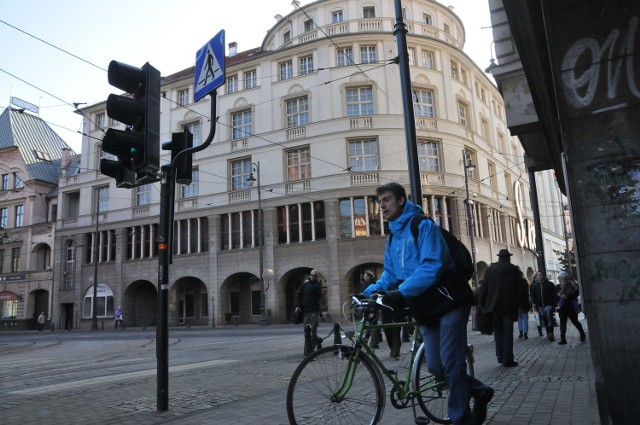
(233, 48)
(64, 162)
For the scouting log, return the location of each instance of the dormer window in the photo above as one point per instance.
(308, 25)
(286, 37)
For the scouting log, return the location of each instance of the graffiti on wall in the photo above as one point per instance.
(621, 271)
(587, 59)
(615, 181)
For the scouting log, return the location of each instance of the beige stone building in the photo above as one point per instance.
(318, 108)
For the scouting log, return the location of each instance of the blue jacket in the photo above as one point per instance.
(416, 269)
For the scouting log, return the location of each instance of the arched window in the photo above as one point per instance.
(104, 306)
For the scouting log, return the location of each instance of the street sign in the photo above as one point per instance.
(209, 67)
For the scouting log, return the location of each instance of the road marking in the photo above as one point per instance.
(113, 378)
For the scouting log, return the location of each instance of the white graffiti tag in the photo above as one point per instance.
(580, 89)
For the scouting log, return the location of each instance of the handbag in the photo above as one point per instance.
(297, 317)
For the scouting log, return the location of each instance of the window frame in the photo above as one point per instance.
(239, 128)
(239, 171)
(305, 65)
(298, 162)
(345, 56)
(298, 114)
(424, 103)
(285, 70)
(232, 84)
(362, 153)
(360, 101)
(368, 54)
(250, 79)
(428, 160)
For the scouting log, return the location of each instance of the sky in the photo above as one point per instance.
(87, 35)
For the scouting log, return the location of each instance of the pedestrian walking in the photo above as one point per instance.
(523, 315)
(42, 319)
(118, 318)
(568, 307)
(412, 265)
(505, 292)
(308, 301)
(376, 335)
(543, 296)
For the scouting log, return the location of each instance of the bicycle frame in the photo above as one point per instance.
(403, 388)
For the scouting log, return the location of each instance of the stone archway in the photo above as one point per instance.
(139, 304)
(188, 302)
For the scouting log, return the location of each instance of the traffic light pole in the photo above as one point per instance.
(164, 244)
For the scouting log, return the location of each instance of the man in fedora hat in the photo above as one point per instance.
(505, 291)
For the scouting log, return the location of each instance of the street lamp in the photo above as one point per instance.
(469, 166)
(94, 303)
(251, 179)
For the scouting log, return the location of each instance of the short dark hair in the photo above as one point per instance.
(396, 188)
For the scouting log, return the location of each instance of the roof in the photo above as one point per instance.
(39, 146)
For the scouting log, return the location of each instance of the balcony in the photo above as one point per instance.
(340, 28)
(296, 133)
(431, 178)
(308, 36)
(364, 178)
(361, 122)
(426, 123)
(299, 186)
(239, 144)
(370, 25)
(239, 196)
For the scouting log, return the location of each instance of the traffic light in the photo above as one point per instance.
(138, 146)
(183, 167)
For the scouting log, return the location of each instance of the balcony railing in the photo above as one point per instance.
(365, 178)
(239, 144)
(239, 195)
(295, 133)
(361, 122)
(299, 186)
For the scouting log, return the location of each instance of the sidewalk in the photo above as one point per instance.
(552, 384)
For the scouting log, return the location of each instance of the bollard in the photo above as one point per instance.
(102, 322)
(308, 342)
(53, 327)
(337, 337)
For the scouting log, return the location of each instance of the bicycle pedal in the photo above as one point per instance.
(421, 420)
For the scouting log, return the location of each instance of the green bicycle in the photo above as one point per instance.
(344, 384)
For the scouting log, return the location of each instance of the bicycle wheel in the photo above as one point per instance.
(433, 395)
(318, 378)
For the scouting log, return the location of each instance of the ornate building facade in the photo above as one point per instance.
(316, 111)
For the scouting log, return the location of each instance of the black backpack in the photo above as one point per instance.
(452, 290)
(457, 250)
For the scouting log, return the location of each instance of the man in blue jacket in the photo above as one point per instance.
(409, 269)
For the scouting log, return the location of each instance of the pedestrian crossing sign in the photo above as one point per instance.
(209, 71)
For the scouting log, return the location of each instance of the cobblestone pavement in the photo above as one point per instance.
(239, 375)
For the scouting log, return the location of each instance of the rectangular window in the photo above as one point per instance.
(194, 128)
(183, 97)
(345, 56)
(368, 54)
(190, 236)
(239, 230)
(462, 114)
(15, 260)
(360, 217)
(298, 164)
(472, 159)
(5, 182)
(412, 56)
(455, 72)
(250, 79)
(286, 37)
(286, 70)
(191, 190)
(100, 120)
(143, 195)
(423, 105)
(493, 177)
(297, 112)
(306, 65)
(102, 195)
(308, 25)
(19, 211)
(17, 181)
(240, 170)
(232, 84)
(484, 130)
(241, 124)
(301, 222)
(337, 17)
(429, 156)
(369, 12)
(360, 101)
(446, 29)
(426, 18)
(4, 218)
(363, 155)
(427, 60)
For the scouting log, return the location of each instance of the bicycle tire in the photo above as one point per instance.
(433, 401)
(319, 377)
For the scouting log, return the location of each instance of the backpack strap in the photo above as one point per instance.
(414, 226)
